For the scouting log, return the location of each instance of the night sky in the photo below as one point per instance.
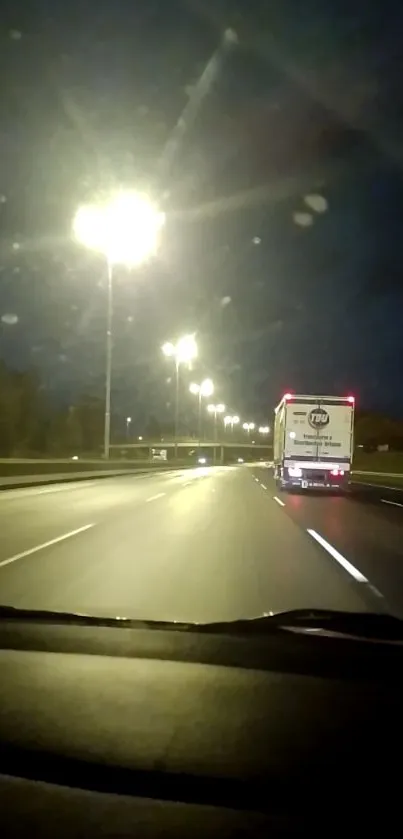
(276, 151)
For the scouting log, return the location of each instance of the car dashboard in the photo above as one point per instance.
(115, 732)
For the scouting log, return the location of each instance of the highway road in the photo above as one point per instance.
(199, 545)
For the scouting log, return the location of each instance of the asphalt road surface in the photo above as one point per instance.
(199, 545)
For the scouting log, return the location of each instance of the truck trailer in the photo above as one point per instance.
(313, 441)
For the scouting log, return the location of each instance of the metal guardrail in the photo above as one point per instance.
(34, 472)
(392, 481)
(380, 474)
(25, 473)
(191, 444)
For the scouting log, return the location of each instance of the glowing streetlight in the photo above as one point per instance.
(264, 429)
(231, 421)
(183, 352)
(126, 231)
(215, 410)
(206, 388)
(128, 422)
(168, 349)
(248, 426)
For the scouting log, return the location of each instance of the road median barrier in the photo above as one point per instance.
(25, 473)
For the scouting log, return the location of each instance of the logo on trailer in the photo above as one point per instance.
(318, 418)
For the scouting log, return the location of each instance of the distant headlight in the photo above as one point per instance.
(240, 459)
(201, 460)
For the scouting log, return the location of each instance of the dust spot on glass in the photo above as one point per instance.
(303, 219)
(316, 202)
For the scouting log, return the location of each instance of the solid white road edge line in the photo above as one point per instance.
(278, 500)
(45, 544)
(351, 569)
(154, 497)
(394, 503)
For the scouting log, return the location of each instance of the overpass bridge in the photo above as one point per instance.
(222, 451)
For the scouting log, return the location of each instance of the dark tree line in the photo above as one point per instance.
(31, 426)
(373, 430)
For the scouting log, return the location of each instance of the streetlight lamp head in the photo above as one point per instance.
(87, 225)
(220, 408)
(168, 349)
(194, 388)
(228, 420)
(251, 425)
(235, 420)
(125, 230)
(207, 387)
(245, 426)
(128, 419)
(211, 409)
(186, 349)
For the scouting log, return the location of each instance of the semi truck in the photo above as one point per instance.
(313, 441)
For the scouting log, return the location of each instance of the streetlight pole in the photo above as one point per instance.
(185, 350)
(231, 421)
(199, 418)
(206, 388)
(108, 367)
(215, 433)
(128, 422)
(177, 367)
(215, 409)
(125, 230)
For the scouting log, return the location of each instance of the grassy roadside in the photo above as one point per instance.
(383, 468)
(378, 478)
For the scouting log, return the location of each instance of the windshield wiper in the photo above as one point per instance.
(13, 613)
(49, 616)
(81, 619)
(371, 625)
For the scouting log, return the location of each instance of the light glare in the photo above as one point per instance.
(186, 349)
(168, 349)
(126, 229)
(207, 387)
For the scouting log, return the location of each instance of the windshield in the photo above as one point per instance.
(200, 359)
